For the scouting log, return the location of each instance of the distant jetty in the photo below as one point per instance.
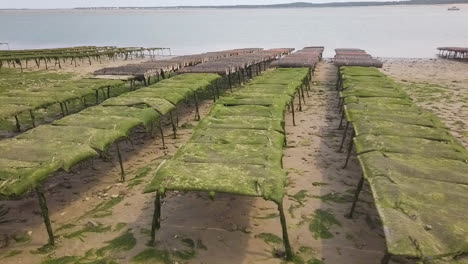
(299, 5)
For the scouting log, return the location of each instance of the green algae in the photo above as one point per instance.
(153, 256)
(88, 228)
(414, 158)
(320, 184)
(269, 238)
(142, 172)
(121, 243)
(119, 226)
(114, 123)
(321, 223)
(300, 196)
(217, 172)
(79, 260)
(103, 209)
(62, 260)
(45, 249)
(305, 255)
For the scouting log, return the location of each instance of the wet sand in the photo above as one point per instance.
(227, 229)
(438, 85)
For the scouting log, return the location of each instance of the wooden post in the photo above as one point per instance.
(284, 226)
(230, 82)
(293, 114)
(66, 107)
(18, 126)
(302, 94)
(344, 137)
(156, 224)
(218, 86)
(197, 111)
(300, 102)
(386, 258)
(356, 197)
(350, 149)
(61, 108)
(162, 133)
(119, 155)
(174, 128)
(33, 118)
(341, 120)
(45, 214)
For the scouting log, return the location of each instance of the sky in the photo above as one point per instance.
(44, 4)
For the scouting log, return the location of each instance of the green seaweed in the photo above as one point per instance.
(292, 208)
(62, 260)
(88, 228)
(139, 175)
(103, 209)
(65, 227)
(319, 183)
(305, 255)
(184, 254)
(270, 238)
(142, 172)
(153, 255)
(45, 249)
(321, 223)
(87, 259)
(134, 182)
(119, 226)
(300, 196)
(123, 242)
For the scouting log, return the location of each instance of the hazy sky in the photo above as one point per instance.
(86, 3)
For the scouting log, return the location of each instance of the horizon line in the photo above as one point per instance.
(359, 3)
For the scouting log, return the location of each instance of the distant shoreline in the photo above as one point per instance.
(275, 6)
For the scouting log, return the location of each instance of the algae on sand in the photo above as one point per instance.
(270, 238)
(103, 209)
(88, 228)
(321, 223)
(153, 256)
(121, 243)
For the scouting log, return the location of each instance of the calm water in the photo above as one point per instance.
(383, 31)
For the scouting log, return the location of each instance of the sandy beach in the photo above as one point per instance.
(228, 228)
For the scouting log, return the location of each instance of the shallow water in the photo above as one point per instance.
(404, 31)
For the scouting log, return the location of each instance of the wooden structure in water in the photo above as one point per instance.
(355, 57)
(453, 52)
